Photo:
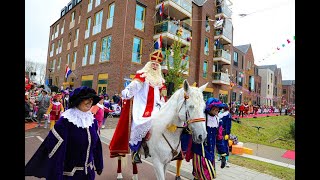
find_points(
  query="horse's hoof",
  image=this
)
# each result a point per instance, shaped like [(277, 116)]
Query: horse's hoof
[(178, 178)]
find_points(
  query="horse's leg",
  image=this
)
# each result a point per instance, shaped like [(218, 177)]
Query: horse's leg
[(159, 169), (165, 169), (119, 169), (135, 171)]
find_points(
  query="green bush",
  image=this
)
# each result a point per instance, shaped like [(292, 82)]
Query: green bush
[(292, 131)]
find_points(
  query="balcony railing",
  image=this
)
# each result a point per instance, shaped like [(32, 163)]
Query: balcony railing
[(92, 56), (72, 24), (96, 29), (220, 78), (223, 32), (223, 8), (185, 4), (168, 26), (223, 55), (75, 43), (89, 7), (109, 22), (86, 34)]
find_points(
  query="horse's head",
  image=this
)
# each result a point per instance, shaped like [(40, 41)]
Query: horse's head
[(191, 111)]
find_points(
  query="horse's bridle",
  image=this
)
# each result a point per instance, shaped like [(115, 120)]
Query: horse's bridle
[(188, 121)]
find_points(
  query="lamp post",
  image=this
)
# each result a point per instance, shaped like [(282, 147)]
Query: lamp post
[(50, 80)]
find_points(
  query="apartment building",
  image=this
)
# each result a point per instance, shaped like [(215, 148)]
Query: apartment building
[(105, 42), (288, 92)]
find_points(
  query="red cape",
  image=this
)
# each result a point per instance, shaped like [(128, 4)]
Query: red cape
[(119, 144)]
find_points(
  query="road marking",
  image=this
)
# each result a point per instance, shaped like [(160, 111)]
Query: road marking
[(28, 136), (40, 138)]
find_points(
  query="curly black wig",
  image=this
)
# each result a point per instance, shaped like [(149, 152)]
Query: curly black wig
[(80, 94)]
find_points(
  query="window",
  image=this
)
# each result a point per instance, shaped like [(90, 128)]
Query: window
[(84, 59), (235, 58), (140, 17), (77, 34), (74, 62), (59, 63), (93, 52), (73, 16), (97, 22), (234, 96), (105, 49), (97, 3), (268, 89), (110, 16), (89, 5), (68, 59), (271, 78), (284, 91), (102, 83), (88, 24), (242, 62), (53, 65), (205, 69), (136, 50), (207, 25), (87, 81), (206, 46)]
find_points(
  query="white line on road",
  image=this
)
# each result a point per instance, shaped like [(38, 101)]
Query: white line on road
[(40, 138)]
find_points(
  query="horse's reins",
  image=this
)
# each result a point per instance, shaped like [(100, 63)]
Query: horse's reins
[(174, 151)]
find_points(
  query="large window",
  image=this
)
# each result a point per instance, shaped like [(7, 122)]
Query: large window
[(54, 65), (110, 16), (97, 3), (85, 57), (97, 22), (102, 83), (77, 34), (140, 17), (73, 16), (205, 69), (234, 96), (88, 24), (87, 81), (59, 64), (136, 50), (235, 58), (68, 59), (105, 49), (206, 46), (93, 52), (74, 61)]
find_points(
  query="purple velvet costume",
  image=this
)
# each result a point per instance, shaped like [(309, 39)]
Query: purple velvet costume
[(67, 153)]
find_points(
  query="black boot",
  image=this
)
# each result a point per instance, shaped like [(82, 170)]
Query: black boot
[(136, 157), (145, 148), (223, 162)]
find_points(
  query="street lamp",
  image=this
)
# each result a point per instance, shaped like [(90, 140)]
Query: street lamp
[(50, 79)]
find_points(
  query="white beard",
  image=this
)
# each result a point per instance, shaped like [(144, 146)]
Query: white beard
[(154, 79)]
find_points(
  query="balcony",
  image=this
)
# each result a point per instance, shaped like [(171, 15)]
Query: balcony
[(51, 53), (75, 43), (225, 33), (180, 9), (71, 24), (86, 34), (223, 10), (89, 7), (68, 45), (220, 78), (96, 29), (169, 30), (92, 56), (109, 22), (223, 56)]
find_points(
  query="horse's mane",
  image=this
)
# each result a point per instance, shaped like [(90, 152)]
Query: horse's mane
[(169, 111)]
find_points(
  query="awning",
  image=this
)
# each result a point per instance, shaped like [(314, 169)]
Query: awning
[(223, 92)]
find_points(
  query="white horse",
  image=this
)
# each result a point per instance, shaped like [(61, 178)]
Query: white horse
[(186, 106)]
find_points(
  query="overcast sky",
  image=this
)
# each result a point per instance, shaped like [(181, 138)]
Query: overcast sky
[(268, 25)]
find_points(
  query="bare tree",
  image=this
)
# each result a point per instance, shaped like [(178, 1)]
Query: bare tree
[(39, 68)]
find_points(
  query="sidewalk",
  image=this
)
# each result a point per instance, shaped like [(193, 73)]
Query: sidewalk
[(233, 172)]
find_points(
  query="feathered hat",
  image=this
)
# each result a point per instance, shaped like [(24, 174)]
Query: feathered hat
[(82, 93), (212, 102)]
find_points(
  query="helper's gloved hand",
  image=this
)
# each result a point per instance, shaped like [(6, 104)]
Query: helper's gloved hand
[(226, 137), (99, 172)]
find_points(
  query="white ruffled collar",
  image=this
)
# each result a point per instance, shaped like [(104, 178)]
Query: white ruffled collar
[(223, 114), (100, 105), (56, 103), (79, 118)]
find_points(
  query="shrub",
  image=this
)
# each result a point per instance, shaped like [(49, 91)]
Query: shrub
[(292, 130)]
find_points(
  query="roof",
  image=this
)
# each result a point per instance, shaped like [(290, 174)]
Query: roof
[(271, 67), (288, 82), (243, 48)]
